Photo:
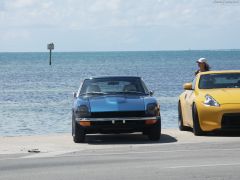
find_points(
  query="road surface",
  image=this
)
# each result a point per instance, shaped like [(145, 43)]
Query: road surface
[(178, 155)]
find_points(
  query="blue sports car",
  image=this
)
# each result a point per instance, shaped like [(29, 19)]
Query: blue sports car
[(116, 104)]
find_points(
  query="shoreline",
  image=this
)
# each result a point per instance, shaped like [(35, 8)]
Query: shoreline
[(57, 144)]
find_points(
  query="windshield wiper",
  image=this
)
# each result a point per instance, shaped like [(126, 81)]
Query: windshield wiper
[(117, 92), (93, 93), (130, 92)]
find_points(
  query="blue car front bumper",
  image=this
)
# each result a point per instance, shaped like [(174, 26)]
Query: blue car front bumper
[(118, 125)]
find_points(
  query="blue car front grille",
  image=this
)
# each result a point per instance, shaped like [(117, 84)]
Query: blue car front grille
[(117, 123)]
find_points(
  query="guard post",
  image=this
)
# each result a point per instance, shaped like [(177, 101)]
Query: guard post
[(50, 47)]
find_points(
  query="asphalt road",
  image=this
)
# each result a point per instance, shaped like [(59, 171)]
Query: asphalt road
[(146, 160)]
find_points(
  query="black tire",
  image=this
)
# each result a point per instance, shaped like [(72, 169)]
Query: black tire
[(180, 119), (78, 132), (155, 132), (196, 126)]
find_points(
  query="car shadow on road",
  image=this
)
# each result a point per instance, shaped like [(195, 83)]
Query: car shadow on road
[(225, 134), (101, 139)]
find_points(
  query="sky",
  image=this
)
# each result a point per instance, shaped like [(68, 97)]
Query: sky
[(119, 25)]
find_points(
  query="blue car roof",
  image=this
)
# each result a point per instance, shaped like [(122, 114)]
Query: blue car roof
[(137, 77)]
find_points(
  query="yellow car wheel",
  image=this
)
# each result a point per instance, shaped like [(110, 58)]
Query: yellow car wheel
[(196, 126)]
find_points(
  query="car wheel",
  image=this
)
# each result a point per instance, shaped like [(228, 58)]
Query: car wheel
[(196, 126), (78, 132), (155, 132), (180, 119), (145, 132)]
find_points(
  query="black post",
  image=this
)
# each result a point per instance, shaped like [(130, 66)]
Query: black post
[(50, 47), (50, 57)]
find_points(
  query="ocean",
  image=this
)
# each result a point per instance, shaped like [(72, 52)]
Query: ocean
[(36, 98)]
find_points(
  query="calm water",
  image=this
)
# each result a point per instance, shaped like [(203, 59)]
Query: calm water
[(36, 98)]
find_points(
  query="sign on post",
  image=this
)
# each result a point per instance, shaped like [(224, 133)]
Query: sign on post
[(50, 47)]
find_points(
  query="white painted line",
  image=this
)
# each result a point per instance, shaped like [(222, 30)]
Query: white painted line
[(4, 159), (149, 152), (65, 153), (203, 165)]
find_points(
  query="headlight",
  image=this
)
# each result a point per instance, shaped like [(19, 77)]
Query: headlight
[(152, 109), (210, 101), (82, 111)]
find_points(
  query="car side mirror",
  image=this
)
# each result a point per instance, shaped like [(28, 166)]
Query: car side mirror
[(74, 95), (151, 93), (187, 86)]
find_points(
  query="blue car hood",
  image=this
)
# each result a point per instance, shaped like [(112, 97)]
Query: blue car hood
[(116, 103)]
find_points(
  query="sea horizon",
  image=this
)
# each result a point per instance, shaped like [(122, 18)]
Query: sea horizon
[(178, 50)]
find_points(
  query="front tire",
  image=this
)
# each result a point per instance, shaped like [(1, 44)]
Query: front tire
[(180, 119), (155, 132), (78, 132), (196, 125)]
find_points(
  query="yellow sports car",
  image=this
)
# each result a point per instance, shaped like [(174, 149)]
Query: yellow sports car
[(211, 102)]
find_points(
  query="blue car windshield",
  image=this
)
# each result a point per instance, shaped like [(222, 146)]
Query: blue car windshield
[(214, 81), (113, 85)]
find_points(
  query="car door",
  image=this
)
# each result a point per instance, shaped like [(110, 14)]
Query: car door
[(189, 99)]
